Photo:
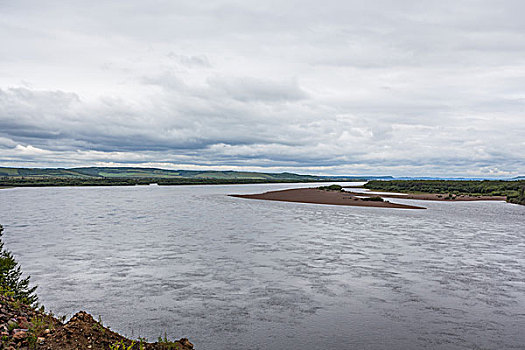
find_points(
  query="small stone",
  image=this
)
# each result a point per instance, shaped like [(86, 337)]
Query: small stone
[(186, 342), (22, 321), (20, 335), (41, 340), (12, 324)]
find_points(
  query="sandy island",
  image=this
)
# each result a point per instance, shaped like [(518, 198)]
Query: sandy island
[(318, 196)]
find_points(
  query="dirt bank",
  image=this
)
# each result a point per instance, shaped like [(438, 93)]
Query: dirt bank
[(23, 327)]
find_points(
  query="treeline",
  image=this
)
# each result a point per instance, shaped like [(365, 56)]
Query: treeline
[(72, 181), (513, 190), (519, 198)]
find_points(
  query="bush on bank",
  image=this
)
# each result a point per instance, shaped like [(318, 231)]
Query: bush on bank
[(11, 282)]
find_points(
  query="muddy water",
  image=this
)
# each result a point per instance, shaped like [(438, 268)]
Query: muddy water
[(246, 274)]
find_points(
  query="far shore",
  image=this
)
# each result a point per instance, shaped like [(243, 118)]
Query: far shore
[(317, 196)]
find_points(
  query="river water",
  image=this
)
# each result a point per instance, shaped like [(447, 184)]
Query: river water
[(232, 273)]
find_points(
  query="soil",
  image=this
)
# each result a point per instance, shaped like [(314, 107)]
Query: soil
[(24, 327)]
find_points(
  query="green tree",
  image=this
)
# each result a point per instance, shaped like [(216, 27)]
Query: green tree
[(11, 281)]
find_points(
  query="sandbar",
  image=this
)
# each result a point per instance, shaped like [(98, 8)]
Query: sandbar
[(317, 196)]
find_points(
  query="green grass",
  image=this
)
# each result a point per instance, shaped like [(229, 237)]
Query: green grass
[(8, 171)]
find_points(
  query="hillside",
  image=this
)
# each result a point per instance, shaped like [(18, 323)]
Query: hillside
[(130, 172), (129, 176)]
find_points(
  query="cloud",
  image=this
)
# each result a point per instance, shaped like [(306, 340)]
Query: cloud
[(342, 87), (252, 89), (189, 61)]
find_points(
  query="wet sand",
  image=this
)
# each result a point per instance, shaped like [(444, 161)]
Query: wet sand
[(317, 196)]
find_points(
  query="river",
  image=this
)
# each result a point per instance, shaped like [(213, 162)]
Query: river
[(232, 273)]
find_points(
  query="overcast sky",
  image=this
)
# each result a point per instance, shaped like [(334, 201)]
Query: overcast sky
[(325, 87)]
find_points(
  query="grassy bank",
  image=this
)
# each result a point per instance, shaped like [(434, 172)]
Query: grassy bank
[(514, 191)]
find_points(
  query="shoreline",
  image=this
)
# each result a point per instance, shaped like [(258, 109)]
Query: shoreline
[(435, 196), (317, 196), (26, 327)]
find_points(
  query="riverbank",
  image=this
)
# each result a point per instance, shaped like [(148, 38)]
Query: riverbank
[(512, 191), (318, 196), (24, 327), (435, 196)]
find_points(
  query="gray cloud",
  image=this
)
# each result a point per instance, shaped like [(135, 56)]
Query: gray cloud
[(343, 87)]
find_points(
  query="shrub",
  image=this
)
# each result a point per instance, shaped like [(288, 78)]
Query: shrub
[(331, 188), (374, 199), (11, 281)]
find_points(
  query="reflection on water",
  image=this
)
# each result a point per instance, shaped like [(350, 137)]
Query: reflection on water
[(248, 274)]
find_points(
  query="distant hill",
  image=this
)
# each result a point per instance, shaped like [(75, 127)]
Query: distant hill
[(155, 173), (353, 177), (130, 172), (87, 173)]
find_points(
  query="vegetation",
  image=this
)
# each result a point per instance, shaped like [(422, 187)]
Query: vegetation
[(331, 188), (121, 345), (373, 199), (166, 343), (11, 282), (513, 190), (519, 198)]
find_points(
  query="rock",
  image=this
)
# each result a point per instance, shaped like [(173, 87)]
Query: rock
[(22, 321), (20, 335), (186, 342), (12, 324)]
